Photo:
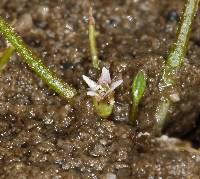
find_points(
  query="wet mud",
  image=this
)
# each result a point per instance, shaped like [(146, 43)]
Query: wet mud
[(43, 136)]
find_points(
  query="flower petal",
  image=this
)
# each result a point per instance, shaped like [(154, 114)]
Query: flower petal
[(105, 76), (92, 84), (92, 93), (115, 84)]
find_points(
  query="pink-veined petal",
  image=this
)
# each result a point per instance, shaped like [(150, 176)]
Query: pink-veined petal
[(115, 84), (105, 76), (92, 84), (92, 93)]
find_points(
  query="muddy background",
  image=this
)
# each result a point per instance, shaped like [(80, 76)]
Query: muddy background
[(42, 136)]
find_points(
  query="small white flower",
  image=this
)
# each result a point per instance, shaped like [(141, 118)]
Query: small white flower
[(104, 87)]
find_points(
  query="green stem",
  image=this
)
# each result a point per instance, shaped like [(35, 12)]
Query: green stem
[(174, 63), (35, 63), (161, 113), (5, 57), (92, 41), (133, 114)]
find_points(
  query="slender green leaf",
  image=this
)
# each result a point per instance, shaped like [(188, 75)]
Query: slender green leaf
[(174, 63), (5, 57), (34, 62), (179, 48), (138, 87)]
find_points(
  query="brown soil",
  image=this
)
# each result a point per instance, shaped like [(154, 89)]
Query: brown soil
[(42, 136)]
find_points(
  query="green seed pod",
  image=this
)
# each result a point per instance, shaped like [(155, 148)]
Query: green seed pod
[(103, 108)]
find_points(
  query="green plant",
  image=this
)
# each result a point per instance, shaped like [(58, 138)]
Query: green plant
[(35, 63), (138, 89), (92, 40), (102, 92), (5, 57), (173, 64)]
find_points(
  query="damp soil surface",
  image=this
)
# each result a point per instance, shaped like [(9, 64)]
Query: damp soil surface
[(43, 136)]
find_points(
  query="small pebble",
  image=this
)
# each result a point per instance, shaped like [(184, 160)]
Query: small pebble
[(24, 23), (174, 97), (98, 150), (111, 176), (173, 16), (43, 11), (143, 134), (103, 141)]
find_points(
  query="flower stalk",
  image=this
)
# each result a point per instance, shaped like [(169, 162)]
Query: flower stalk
[(173, 64), (92, 40)]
